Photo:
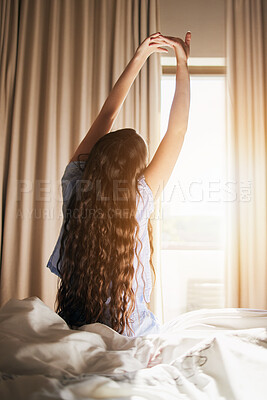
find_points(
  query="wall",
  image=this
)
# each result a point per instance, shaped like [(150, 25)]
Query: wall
[(204, 18)]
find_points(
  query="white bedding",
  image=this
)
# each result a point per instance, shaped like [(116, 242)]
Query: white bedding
[(205, 354)]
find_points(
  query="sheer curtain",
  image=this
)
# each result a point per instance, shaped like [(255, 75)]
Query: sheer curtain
[(59, 60), (246, 269)]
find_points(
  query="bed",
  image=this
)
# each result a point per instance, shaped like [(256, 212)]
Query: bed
[(203, 354)]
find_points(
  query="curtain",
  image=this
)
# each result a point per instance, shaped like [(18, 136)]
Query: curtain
[(59, 61), (246, 49)]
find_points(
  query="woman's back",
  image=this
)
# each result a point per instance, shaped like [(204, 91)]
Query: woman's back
[(142, 282)]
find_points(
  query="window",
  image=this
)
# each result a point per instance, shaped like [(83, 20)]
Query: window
[(192, 228)]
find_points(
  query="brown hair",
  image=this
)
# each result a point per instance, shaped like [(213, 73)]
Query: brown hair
[(100, 235)]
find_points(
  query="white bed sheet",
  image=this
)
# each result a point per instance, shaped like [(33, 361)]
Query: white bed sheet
[(205, 354)]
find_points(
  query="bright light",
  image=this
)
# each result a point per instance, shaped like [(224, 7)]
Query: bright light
[(192, 245), (196, 188)]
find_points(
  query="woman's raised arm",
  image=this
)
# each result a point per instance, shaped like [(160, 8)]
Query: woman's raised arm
[(160, 168), (108, 113)]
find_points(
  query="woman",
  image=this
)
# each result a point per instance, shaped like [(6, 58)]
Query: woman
[(104, 252)]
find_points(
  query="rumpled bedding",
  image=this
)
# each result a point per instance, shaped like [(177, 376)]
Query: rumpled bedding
[(203, 354)]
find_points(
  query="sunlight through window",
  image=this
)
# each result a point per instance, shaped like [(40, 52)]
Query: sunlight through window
[(192, 255)]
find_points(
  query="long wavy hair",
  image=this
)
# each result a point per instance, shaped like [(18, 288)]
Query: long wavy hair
[(101, 235)]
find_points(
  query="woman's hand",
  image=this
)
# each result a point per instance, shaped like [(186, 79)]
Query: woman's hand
[(156, 42), (153, 44), (181, 48)]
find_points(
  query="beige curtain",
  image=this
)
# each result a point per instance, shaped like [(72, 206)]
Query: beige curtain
[(246, 266), (59, 60)]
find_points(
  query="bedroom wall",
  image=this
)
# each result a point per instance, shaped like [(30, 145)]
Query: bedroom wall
[(204, 18)]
